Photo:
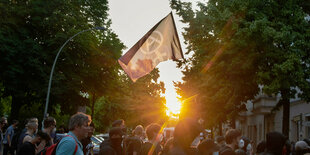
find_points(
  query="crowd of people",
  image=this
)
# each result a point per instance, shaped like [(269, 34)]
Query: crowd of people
[(141, 141)]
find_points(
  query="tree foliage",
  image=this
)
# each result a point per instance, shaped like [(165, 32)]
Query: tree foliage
[(238, 45), (31, 33)]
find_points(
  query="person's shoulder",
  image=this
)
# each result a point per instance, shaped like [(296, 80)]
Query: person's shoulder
[(137, 140), (66, 143), (146, 145), (67, 139), (106, 150), (226, 151), (10, 128)]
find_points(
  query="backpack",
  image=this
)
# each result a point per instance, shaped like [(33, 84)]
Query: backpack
[(51, 150)]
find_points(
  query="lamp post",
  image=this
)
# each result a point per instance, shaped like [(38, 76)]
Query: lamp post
[(52, 71)]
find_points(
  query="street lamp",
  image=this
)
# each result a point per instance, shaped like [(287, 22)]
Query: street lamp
[(52, 71)]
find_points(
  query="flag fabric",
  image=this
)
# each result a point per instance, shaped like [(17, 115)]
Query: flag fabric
[(159, 44)]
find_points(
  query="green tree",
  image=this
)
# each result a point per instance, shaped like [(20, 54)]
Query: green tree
[(86, 73), (220, 74), (31, 34), (240, 44)]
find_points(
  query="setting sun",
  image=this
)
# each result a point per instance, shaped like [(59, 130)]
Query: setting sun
[(173, 104)]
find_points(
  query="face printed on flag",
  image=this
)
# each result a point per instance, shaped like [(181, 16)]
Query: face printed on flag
[(161, 43)]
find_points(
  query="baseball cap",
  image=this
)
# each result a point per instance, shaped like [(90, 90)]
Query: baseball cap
[(301, 145)]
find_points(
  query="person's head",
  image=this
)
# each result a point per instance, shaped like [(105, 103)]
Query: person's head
[(61, 129), (232, 137), (32, 127), (261, 147), (275, 142), (79, 125), (119, 123), (302, 147), (33, 119), (220, 140), (91, 129), (207, 147), (152, 131), (138, 131), (246, 144), (14, 123), (3, 121), (49, 123), (40, 136), (116, 135), (186, 131)]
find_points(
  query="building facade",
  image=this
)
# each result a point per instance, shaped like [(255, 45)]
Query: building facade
[(262, 117)]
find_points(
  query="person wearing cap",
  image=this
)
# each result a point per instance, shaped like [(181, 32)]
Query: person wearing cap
[(113, 145), (208, 147), (302, 148)]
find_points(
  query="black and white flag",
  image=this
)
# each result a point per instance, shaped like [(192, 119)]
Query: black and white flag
[(161, 43)]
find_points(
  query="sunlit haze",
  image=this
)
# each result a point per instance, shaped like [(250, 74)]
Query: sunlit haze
[(131, 20)]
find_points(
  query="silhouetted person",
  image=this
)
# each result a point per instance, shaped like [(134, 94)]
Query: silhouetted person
[(208, 147), (232, 138), (29, 147), (302, 148), (134, 143), (184, 134), (275, 141), (113, 145), (154, 139), (261, 147), (8, 137)]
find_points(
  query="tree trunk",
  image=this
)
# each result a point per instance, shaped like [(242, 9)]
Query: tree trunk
[(15, 107), (285, 101), (220, 129), (93, 105)]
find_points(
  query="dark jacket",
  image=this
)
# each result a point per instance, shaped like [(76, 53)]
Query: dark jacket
[(225, 150), (108, 148)]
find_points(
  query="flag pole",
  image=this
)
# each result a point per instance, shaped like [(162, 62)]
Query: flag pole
[(53, 67)]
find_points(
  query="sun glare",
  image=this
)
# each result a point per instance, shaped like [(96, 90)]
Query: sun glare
[(173, 104)]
